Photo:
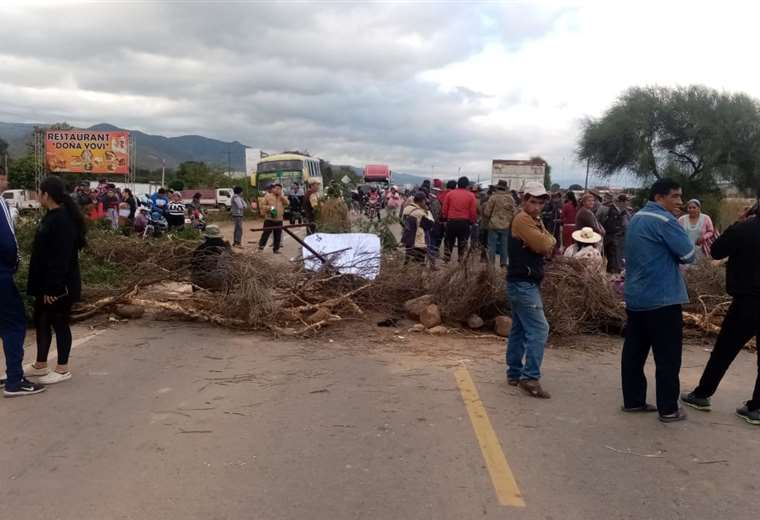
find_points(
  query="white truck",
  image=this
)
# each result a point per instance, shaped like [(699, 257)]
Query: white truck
[(22, 200), (139, 189), (220, 198), (517, 173)]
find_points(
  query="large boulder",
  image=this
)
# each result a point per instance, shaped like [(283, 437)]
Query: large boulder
[(129, 312), (502, 325), (415, 306), (431, 316), (475, 321)]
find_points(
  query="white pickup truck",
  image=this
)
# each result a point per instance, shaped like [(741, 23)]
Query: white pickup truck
[(22, 200), (220, 198)]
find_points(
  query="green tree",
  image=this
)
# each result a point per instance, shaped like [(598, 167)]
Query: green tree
[(177, 185), (3, 155), (21, 173), (695, 134)]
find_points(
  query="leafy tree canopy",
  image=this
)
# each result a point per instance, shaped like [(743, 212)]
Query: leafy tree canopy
[(693, 133), (21, 173), (194, 174)]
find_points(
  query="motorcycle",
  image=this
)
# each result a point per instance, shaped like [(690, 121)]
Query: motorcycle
[(157, 225)]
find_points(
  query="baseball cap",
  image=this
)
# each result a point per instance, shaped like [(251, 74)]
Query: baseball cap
[(535, 189)]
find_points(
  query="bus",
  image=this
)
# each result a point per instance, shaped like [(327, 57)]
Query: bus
[(286, 168)]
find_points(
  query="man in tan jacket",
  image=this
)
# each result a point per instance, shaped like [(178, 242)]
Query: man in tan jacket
[(272, 209), (529, 244), (498, 213)]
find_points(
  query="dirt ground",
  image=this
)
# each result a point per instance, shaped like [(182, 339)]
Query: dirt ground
[(166, 419)]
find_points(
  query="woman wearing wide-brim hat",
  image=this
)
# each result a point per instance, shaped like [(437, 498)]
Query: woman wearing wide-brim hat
[(585, 248)]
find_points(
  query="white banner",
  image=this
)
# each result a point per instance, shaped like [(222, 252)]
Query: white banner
[(352, 253)]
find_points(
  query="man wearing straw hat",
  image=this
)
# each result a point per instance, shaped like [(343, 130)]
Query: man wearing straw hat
[(529, 244)]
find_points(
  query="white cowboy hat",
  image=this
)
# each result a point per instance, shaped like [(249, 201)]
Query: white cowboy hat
[(586, 236)]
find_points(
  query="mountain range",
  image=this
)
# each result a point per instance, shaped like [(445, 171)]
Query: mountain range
[(155, 150)]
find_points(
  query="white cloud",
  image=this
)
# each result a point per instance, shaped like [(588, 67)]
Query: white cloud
[(454, 85)]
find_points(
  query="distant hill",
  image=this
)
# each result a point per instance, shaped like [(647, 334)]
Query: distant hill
[(406, 178), (151, 149)]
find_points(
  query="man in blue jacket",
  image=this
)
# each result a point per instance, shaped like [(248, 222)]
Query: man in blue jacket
[(12, 318), (656, 245)]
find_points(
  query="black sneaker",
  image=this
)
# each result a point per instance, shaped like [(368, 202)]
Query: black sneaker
[(2, 382), (751, 416), (25, 388), (699, 403)]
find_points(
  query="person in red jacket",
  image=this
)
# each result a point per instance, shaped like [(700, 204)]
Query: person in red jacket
[(460, 210)]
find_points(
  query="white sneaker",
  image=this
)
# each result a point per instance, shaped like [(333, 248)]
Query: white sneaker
[(30, 371), (54, 377)]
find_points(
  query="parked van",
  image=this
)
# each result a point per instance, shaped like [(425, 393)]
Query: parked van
[(22, 200)]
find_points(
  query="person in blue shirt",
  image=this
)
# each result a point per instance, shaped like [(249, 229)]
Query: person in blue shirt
[(656, 245), (12, 316), (159, 201)]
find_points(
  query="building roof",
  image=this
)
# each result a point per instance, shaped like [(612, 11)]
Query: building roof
[(511, 162)]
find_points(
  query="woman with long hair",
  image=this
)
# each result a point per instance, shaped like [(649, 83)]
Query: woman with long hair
[(569, 212), (54, 278)]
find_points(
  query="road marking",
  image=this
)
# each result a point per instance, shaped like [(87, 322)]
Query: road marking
[(501, 475)]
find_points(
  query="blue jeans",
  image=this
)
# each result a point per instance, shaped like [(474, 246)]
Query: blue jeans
[(237, 238), (12, 330), (529, 333), (498, 240)]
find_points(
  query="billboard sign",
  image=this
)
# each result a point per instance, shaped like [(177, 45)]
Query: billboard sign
[(87, 151)]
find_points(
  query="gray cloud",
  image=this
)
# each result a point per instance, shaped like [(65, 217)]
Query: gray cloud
[(338, 79)]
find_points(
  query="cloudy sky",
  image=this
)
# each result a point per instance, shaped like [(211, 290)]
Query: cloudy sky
[(423, 86)]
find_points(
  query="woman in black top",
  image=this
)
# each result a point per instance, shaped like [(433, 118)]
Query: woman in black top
[(54, 278), (132, 202)]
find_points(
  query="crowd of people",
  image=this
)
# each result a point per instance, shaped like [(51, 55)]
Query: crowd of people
[(524, 230), (591, 228)]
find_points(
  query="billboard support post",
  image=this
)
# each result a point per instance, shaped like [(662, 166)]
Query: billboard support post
[(39, 157), (132, 158)]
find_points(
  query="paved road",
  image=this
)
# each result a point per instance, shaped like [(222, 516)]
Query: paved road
[(177, 421)]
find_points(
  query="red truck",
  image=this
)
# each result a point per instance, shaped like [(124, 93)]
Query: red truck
[(379, 173)]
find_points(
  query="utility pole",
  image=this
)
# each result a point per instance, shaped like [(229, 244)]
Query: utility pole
[(229, 161), (588, 164), (163, 172)]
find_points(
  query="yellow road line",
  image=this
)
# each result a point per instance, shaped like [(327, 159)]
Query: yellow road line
[(501, 475)]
